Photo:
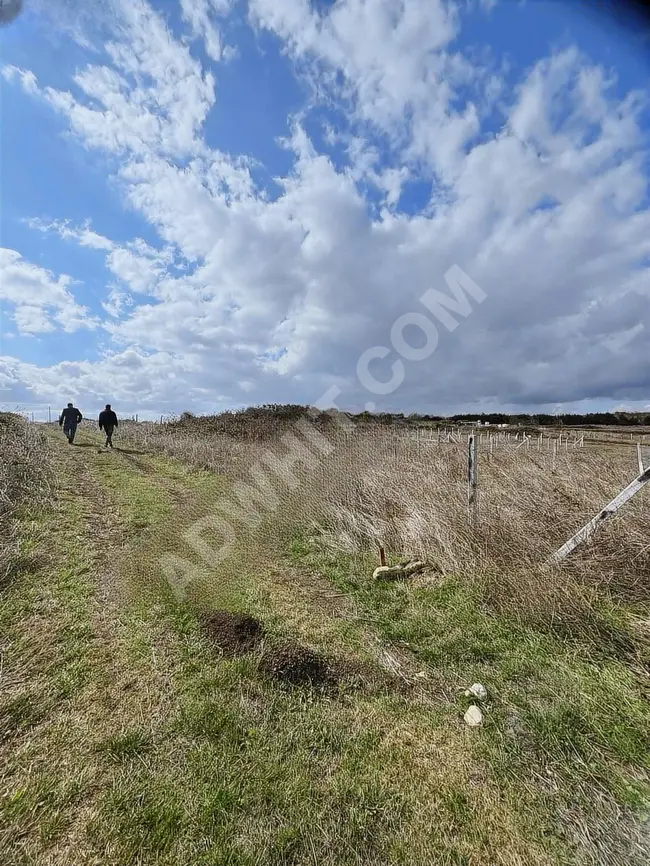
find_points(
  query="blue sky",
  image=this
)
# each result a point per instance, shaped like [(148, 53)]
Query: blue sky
[(209, 203)]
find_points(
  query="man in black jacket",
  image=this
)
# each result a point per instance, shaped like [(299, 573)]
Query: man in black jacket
[(108, 421), (69, 419)]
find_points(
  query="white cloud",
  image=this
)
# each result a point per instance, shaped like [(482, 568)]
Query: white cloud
[(136, 264), (27, 79), (200, 15), (84, 236), (396, 61), (154, 99), (279, 298), (116, 301), (41, 302)]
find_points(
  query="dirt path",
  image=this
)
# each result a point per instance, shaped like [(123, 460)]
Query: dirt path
[(304, 599), (113, 718)]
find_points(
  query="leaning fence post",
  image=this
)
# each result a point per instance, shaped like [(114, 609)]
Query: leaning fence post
[(471, 479), (608, 511)]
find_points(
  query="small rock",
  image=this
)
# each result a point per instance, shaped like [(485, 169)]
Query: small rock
[(473, 716), (477, 691)]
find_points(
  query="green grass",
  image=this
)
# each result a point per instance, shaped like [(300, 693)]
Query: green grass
[(126, 738), (556, 706)]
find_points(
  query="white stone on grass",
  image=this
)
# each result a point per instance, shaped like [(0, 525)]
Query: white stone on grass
[(474, 717)]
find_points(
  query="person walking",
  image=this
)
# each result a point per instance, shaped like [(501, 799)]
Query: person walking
[(69, 419), (108, 422)]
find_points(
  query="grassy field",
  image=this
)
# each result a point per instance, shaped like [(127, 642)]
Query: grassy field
[(132, 733)]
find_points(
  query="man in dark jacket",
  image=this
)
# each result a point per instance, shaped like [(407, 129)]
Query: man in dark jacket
[(69, 419), (108, 422)]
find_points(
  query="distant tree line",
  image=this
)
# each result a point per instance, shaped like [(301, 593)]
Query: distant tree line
[(600, 419), (627, 419), (282, 414)]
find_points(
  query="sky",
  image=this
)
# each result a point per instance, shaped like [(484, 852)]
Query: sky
[(207, 204)]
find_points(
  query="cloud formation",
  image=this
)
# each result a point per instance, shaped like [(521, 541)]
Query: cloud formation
[(40, 301), (538, 191)]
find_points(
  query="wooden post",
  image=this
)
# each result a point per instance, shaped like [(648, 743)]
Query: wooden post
[(554, 454), (49, 414), (608, 511), (382, 556), (471, 479), (639, 457)]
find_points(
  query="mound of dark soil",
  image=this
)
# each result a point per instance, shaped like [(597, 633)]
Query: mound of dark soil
[(233, 633), (298, 666)]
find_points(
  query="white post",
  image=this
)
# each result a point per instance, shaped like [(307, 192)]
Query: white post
[(554, 454), (639, 457), (608, 511)]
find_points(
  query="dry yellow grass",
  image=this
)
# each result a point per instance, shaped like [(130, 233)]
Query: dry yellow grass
[(379, 486)]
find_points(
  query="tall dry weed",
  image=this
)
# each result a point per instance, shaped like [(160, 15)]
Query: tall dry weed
[(25, 477)]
